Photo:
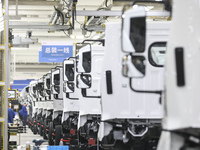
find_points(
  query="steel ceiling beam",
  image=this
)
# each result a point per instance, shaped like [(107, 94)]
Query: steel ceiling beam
[(36, 26), (116, 13), (96, 13), (34, 2)]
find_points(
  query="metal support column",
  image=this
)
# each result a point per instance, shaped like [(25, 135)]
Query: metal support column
[(7, 77)]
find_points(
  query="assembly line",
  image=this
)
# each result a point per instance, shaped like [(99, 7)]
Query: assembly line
[(134, 89)]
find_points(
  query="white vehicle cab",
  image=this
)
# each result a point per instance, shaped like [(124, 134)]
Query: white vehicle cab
[(49, 104), (89, 61), (33, 96), (25, 99), (71, 102), (181, 97), (25, 94), (41, 105), (57, 93), (134, 88)]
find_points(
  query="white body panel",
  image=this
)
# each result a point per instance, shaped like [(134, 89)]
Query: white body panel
[(182, 103), (57, 105), (35, 109), (130, 104), (49, 105), (69, 107), (90, 106), (44, 108)]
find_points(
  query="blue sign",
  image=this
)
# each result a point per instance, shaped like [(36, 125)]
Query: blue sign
[(55, 52), (46, 59)]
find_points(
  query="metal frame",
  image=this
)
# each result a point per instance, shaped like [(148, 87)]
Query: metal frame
[(2, 118), (37, 26), (96, 13), (6, 82), (3, 133), (115, 13)]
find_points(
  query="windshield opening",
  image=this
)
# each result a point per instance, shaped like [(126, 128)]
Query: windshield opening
[(57, 79), (69, 71), (48, 83), (87, 61), (157, 53), (138, 33)]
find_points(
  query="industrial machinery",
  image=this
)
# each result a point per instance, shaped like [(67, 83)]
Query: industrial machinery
[(89, 61), (57, 91), (181, 96)]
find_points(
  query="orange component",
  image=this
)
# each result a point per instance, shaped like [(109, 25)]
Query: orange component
[(72, 132), (53, 134), (47, 129), (38, 123), (42, 126), (91, 141), (34, 121), (65, 140)]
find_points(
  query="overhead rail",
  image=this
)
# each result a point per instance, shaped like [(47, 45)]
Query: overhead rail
[(37, 26)]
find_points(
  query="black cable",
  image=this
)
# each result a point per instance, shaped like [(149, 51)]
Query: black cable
[(106, 3), (64, 2), (61, 14)]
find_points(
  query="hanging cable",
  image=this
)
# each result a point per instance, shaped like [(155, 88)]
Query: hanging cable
[(64, 2), (59, 12), (106, 3)]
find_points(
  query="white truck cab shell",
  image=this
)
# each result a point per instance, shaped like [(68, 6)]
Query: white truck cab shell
[(90, 105), (41, 98), (181, 98), (47, 86), (125, 99), (130, 104), (71, 103), (33, 97), (182, 101), (57, 101)]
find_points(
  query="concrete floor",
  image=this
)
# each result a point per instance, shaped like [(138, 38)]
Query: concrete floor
[(22, 138)]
